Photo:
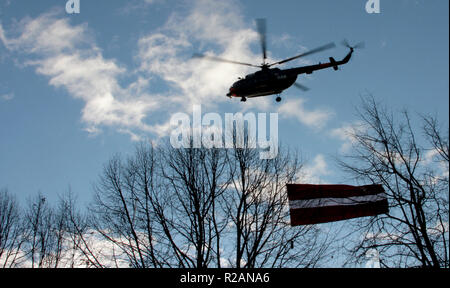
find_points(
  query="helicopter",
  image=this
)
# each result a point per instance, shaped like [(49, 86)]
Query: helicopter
[(273, 81)]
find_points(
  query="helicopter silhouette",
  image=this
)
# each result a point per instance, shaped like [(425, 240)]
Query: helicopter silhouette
[(273, 81)]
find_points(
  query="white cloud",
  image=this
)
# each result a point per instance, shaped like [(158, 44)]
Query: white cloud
[(384, 236), (7, 97), (107, 253), (167, 53), (345, 134), (439, 228), (315, 171), (296, 108), (430, 154), (45, 34), (138, 5), (208, 23), (373, 259), (68, 55), (2, 34)]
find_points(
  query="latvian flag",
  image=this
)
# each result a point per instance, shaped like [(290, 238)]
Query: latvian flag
[(312, 204)]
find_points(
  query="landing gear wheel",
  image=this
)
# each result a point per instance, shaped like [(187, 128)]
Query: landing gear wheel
[(278, 99), (243, 99)]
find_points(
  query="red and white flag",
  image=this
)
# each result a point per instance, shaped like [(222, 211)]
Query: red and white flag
[(313, 204)]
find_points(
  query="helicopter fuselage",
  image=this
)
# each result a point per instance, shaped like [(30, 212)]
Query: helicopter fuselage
[(269, 81), (262, 83)]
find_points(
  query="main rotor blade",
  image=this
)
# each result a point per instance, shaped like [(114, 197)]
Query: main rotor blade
[(301, 87), (217, 59), (318, 49), (262, 30)]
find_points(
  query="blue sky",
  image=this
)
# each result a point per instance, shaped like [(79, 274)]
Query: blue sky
[(75, 89)]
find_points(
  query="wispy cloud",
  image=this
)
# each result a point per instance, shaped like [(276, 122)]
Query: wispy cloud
[(345, 134), (7, 97), (68, 55), (314, 171), (138, 5), (316, 118), (166, 53)]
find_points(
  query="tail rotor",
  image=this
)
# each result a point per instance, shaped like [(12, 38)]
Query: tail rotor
[(360, 45)]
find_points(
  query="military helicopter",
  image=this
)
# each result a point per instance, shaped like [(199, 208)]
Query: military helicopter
[(271, 81)]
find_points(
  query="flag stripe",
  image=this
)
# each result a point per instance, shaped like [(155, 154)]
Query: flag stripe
[(308, 216), (311, 191), (323, 202)]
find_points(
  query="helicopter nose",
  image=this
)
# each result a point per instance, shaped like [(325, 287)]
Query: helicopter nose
[(232, 92)]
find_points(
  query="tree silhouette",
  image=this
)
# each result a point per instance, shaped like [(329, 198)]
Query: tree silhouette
[(390, 152)]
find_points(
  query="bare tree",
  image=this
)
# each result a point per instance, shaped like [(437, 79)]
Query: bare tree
[(161, 212), (45, 232), (257, 205), (11, 231), (388, 152), (198, 208), (194, 183), (437, 139), (116, 215), (75, 246), (38, 217), (41, 236)]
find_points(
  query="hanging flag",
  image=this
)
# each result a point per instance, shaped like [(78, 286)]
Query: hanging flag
[(313, 204)]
